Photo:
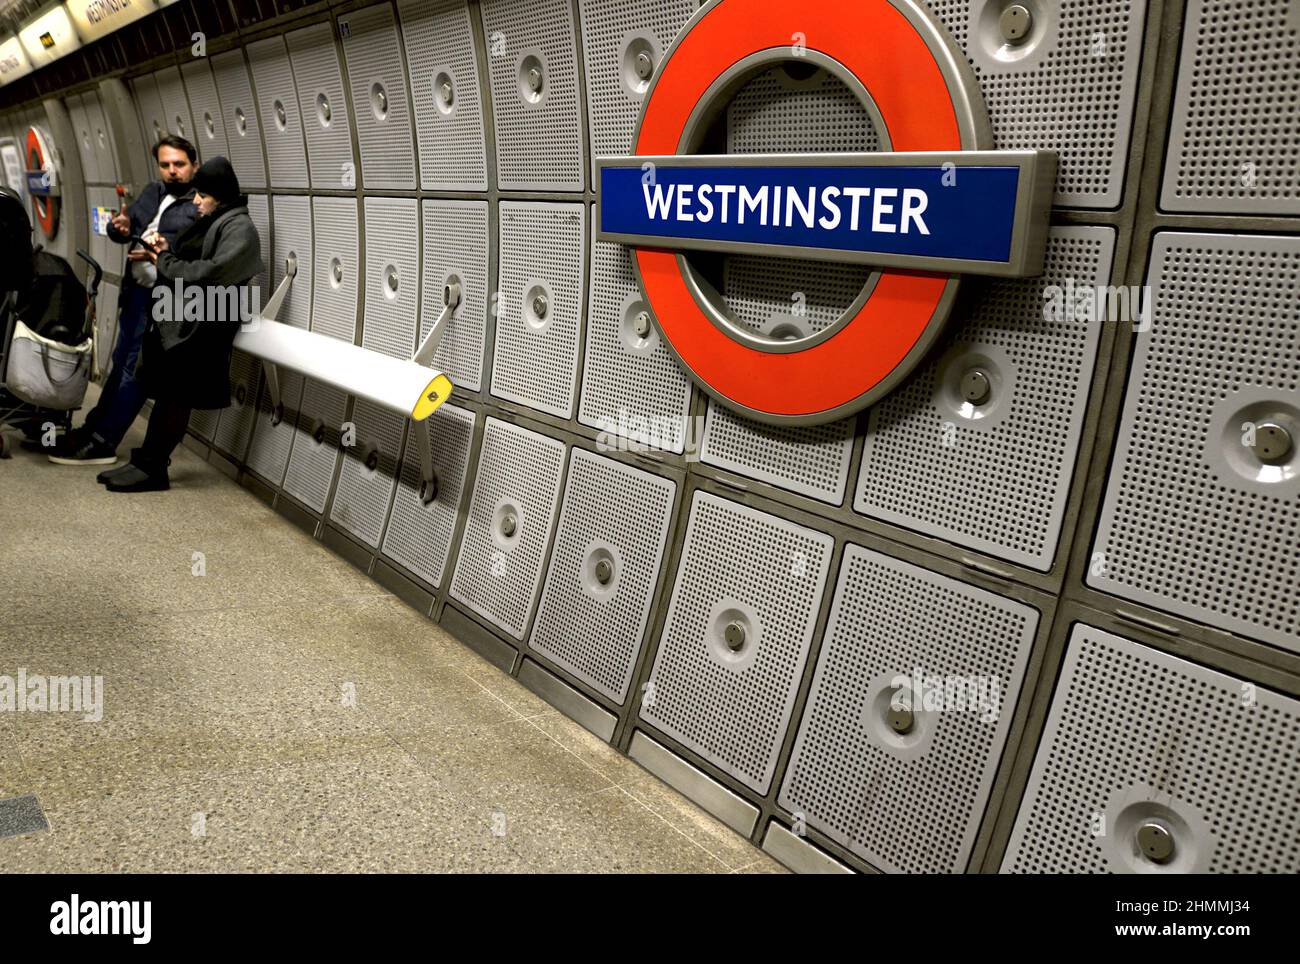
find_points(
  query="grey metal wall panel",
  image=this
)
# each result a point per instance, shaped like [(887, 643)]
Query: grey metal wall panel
[(907, 797), (203, 422), (103, 139), (240, 118), (205, 106), (1069, 86), (1012, 455), (631, 385), (419, 534), (508, 525), (392, 276), (268, 453), (1136, 738), (259, 213), (456, 247), (336, 270), (293, 239), (536, 354), (369, 472), (277, 103), (153, 119), (623, 43), (538, 131), (175, 105), (325, 122), (314, 454), (812, 460), (1235, 130), (758, 580), (604, 570), (379, 98), (440, 47), (81, 126), (236, 424), (1202, 510)]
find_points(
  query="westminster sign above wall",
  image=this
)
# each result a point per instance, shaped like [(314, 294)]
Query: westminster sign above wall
[(937, 203)]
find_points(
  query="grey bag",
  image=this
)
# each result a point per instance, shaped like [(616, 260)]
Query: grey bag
[(46, 373)]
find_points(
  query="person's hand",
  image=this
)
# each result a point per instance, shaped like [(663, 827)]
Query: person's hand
[(137, 254), (121, 223), (159, 244)]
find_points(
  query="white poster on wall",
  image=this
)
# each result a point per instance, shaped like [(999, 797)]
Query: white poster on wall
[(13, 165)]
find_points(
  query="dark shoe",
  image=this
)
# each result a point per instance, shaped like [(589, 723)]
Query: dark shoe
[(76, 449), (109, 474), (136, 479)]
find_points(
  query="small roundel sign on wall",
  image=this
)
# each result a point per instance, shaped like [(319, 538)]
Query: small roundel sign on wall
[(933, 204), (42, 181)]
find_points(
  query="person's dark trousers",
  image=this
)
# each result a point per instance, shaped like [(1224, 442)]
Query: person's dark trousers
[(167, 424), (122, 398)]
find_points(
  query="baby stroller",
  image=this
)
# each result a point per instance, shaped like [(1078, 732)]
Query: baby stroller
[(48, 323)]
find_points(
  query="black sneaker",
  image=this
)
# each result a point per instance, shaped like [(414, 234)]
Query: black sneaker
[(82, 450), (109, 475), (136, 479)]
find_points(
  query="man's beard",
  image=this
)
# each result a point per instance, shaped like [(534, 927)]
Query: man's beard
[(176, 188)]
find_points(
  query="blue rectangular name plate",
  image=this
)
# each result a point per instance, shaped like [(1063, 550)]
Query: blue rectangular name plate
[(982, 212)]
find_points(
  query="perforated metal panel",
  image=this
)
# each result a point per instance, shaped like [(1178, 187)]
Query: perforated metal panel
[(81, 127), (175, 105), (907, 799), (336, 268), (325, 122), (1137, 738), (749, 573), (106, 321), (1235, 129), (314, 454), (239, 114), (153, 123), (538, 131), (392, 276), (369, 472), (616, 35), (419, 534), (1198, 518), (631, 386), (379, 98), (811, 460), (536, 355), (1068, 87), (268, 453), (259, 213), (994, 475), (293, 239), (277, 102), (440, 51), (203, 422), (456, 247), (499, 566), (236, 424), (604, 568), (205, 106), (102, 137)]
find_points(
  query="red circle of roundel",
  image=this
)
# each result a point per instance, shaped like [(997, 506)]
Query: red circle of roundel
[(912, 95), (36, 162)]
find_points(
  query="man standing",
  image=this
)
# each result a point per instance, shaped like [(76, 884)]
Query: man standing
[(165, 207)]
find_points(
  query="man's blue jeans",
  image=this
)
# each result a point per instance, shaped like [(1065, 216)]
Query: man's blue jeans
[(123, 397)]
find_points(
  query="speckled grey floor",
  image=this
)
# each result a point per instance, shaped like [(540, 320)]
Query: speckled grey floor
[(282, 711)]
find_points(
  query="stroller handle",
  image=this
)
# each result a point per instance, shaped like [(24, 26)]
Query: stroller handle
[(96, 272)]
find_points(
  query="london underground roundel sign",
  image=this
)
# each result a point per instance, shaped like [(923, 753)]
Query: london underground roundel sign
[(934, 204)]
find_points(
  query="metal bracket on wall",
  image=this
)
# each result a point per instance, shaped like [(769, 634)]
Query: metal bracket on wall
[(451, 297), (269, 314)]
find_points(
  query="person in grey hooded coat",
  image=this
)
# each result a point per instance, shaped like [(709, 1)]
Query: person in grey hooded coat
[(186, 358)]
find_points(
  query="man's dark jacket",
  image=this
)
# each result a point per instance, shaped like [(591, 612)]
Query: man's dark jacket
[(179, 216)]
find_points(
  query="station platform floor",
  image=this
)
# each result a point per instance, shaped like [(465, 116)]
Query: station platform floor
[(229, 740)]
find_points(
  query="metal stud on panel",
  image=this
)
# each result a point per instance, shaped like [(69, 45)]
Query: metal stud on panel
[(908, 714), (745, 600), (1153, 764), (609, 544)]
